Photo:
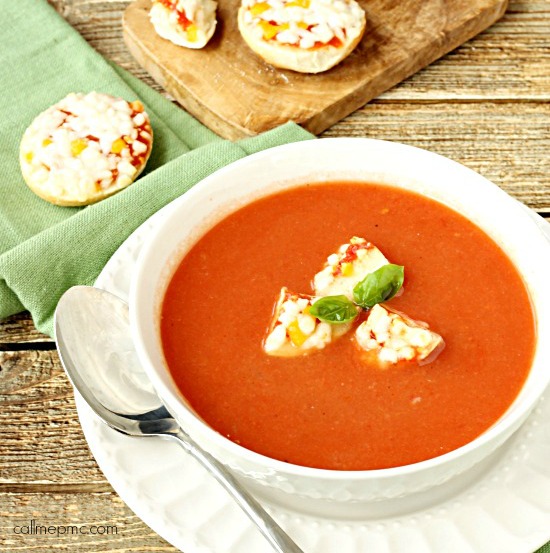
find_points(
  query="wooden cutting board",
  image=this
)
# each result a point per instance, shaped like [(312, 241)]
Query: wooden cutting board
[(232, 91)]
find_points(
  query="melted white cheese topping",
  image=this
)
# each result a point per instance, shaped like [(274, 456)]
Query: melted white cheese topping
[(347, 267), (395, 337), (294, 331), (305, 23), (86, 143), (201, 15), (293, 327)]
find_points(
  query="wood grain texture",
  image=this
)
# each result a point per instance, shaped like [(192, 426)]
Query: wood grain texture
[(41, 441), (19, 331), (123, 531), (232, 91), (510, 62)]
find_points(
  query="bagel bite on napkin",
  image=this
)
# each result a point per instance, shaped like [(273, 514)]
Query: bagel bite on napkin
[(85, 148)]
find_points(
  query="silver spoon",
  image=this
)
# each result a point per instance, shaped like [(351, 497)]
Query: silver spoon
[(93, 338)]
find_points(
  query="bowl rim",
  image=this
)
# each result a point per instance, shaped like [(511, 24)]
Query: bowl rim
[(505, 425)]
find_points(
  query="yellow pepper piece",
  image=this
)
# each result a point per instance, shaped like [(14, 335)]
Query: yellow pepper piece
[(302, 25), (297, 337), (299, 3), (118, 145), (192, 33), (270, 30), (347, 269), (259, 8), (29, 156), (46, 142), (136, 105), (78, 146)]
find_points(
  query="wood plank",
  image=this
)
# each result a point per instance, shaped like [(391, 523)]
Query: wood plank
[(57, 487), (19, 331), (42, 442), (510, 61), (123, 531)]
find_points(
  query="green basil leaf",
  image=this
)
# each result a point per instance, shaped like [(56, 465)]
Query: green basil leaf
[(379, 286), (334, 309)]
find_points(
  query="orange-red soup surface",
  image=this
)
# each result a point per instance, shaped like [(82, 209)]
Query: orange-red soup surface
[(329, 409)]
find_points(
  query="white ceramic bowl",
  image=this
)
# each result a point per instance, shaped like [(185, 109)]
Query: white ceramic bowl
[(325, 160)]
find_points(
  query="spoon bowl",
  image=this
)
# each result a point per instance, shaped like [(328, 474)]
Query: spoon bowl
[(93, 339)]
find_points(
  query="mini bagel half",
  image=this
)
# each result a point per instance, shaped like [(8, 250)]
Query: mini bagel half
[(85, 148), (308, 36)]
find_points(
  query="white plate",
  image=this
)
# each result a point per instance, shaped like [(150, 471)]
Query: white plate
[(500, 506)]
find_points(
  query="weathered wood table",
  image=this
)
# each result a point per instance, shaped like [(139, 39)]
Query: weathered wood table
[(485, 105)]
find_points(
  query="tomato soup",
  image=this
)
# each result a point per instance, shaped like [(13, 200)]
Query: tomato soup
[(331, 409)]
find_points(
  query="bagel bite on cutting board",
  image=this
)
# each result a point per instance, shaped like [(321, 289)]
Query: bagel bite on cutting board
[(233, 91)]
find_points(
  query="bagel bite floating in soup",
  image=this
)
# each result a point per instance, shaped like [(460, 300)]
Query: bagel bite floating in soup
[(394, 337), (294, 330), (344, 269)]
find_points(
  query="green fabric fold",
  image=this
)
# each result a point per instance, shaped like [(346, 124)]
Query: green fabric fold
[(45, 249)]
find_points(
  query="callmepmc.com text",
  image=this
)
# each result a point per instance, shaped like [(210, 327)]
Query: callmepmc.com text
[(35, 529)]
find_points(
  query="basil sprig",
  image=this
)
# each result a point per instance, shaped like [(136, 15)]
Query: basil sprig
[(376, 287), (334, 309), (379, 286)]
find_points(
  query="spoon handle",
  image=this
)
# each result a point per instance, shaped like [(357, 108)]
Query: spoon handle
[(278, 539)]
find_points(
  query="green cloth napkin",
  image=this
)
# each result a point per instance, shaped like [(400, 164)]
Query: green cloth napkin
[(45, 249)]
